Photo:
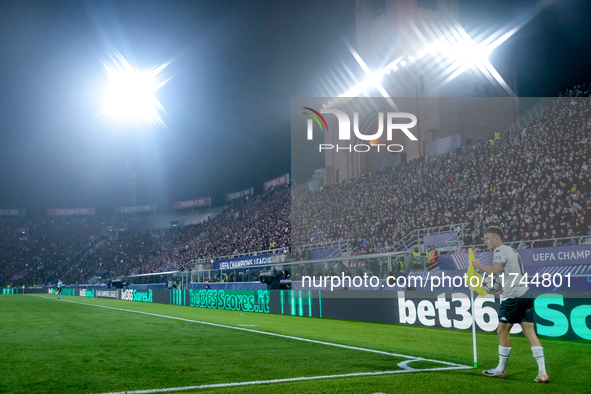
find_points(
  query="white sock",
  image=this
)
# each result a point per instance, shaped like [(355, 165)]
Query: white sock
[(503, 357), (538, 353)]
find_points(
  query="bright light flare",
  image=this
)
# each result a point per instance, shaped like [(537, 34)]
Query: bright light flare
[(452, 52), (131, 94), (467, 53)]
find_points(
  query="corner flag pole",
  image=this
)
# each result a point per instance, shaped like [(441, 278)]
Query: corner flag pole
[(473, 328)]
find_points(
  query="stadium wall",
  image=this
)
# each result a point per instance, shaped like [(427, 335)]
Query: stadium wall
[(557, 315)]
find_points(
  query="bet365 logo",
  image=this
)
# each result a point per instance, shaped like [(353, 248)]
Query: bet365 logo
[(344, 134)]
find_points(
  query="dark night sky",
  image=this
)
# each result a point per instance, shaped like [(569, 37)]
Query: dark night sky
[(236, 66)]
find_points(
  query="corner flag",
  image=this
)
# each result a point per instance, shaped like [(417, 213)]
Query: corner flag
[(472, 273)]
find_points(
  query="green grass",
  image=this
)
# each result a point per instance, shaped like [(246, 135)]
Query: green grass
[(55, 346)]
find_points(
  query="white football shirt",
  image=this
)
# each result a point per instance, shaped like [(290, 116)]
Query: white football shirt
[(512, 268)]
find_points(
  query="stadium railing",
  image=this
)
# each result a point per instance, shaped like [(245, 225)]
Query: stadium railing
[(342, 245), (525, 119)]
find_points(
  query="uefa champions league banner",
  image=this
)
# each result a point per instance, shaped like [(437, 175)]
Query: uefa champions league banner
[(70, 211), (537, 257), (13, 212), (561, 255), (149, 208), (242, 262), (240, 194), (107, 293), (276, 182), (189, 204)]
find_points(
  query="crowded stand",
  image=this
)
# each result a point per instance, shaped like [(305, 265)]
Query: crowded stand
[(35, 248), (83, 248), (261, 223), (535, 185)]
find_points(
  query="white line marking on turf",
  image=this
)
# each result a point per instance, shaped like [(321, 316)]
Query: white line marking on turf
[(274, 334), (299, 379), (246, 325), (403, 365)]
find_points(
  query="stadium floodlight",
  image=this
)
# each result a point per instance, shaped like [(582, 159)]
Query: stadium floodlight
[(373, 79), (469, 54), (131, 94), (452, 52)]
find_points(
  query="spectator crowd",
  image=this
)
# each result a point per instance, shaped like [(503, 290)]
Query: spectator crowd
[(535, 184), (33, 248), (261, 223), (80, 248)]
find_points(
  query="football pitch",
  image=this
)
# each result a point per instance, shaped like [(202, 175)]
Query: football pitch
[(90, 345)]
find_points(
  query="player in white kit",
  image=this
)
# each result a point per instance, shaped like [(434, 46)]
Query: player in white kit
[(517, 306)]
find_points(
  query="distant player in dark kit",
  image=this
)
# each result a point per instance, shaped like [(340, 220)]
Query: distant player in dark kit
[(517, 306)]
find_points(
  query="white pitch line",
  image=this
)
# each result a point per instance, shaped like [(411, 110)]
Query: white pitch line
[(404, 365), (299, 379), (274, 334)]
